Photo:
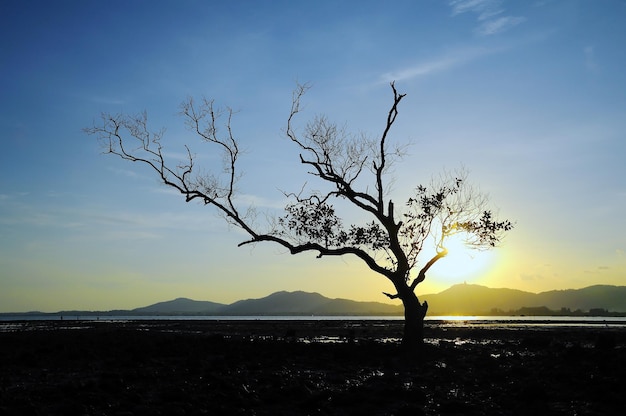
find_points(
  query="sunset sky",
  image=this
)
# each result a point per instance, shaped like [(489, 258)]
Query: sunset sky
[(528, 96)]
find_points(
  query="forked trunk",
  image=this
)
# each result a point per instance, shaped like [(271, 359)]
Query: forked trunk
[(414, 313)]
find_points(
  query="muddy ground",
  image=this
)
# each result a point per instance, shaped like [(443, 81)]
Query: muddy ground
[(307, 368)]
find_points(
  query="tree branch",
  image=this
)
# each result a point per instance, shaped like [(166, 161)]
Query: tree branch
[(421, 276), (322, 251), (391, 118), (390, 296)]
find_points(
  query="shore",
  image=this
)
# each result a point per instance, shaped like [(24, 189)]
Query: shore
[(307, 368)]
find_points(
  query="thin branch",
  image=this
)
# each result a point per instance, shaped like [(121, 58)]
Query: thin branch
[(391, 118), (322, 251), (390, 296), (421, 276)]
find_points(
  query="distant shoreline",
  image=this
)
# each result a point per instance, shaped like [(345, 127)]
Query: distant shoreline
[(165, 315), (17, 321)]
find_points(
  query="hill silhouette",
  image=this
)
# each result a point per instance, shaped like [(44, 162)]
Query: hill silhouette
[(279, 303), (611, 298), (464, 299), (461, 299), (467, 299), (181, 306), (304, 303)]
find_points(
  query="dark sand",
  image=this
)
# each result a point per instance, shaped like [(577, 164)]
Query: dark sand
[(287, 368)]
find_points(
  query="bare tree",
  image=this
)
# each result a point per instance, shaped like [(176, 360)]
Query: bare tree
[(355, 169)]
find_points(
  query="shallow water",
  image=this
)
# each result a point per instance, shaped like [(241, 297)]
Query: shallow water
[(325, 329)]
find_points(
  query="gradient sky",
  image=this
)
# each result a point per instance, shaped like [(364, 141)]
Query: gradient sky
[(528, 96)]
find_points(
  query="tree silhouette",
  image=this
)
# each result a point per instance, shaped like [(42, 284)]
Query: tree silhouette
[(355, 167)]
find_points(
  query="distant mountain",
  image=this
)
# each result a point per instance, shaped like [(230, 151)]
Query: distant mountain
[(279, 303), (611, 298), (464, 299), (180, 306), (304, 303), (460, 299)]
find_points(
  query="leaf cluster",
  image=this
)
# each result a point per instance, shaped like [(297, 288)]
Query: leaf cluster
[(311, 220)]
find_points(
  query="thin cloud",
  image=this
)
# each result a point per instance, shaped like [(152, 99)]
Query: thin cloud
[(249, 200), (490, 14), (501, 24), (437, 65), (107, 100), (421, 69), (484, 8), (590, 59), (531, 277), (124, 172)]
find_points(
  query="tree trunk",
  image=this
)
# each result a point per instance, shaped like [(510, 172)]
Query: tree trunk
[(414, 313)]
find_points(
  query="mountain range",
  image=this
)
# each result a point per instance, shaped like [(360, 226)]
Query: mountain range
[(279, 303), (462, 299)]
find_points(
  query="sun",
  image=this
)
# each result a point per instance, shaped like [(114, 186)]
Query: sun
[(462, 262)]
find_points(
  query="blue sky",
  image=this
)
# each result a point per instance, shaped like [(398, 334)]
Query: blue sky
[(529, 97)]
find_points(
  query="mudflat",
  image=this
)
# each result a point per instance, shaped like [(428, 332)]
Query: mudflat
[(307, 368)]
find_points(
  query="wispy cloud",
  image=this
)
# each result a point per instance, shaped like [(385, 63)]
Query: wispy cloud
[(493, 26), (590, 59), (249, 200), (107, 100), (440, 64), (490, 14), (96, 221), (124, 172), (485, 8), (422, 69)]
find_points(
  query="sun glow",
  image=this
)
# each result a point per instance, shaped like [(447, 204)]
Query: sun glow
[(462, 262)]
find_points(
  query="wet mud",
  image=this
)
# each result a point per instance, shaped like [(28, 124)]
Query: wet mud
[(307, 368)]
